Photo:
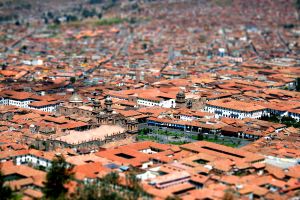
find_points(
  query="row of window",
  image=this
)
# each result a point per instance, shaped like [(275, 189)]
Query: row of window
[(148, 103), (209, 108), (24, 104)]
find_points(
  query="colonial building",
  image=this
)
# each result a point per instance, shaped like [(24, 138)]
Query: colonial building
[(95, 112), (295, 114), (235, 109), (162, 100), (44, 106), (28, 100), (91, 139)]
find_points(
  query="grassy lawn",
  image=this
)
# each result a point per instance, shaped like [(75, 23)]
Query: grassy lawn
[(161, 132), (216, 140), (146, 137), (168, 133), (53, 26), (220, 141), (177, 143), (142, 135), (194, 137), (110, 21)]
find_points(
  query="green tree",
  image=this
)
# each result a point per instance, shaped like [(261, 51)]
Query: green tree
[(93, 191), (216, 137), (112, 179), (95, 1), (200, 137), (105, 189), (90, 191), (73, 80), (135, 189), (142, 132), (144, 46), (108, 194), (5, 191), (297, 5), (298, 80), (58, 175), (88, 13)]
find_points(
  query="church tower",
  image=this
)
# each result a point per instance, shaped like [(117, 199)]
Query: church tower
[(180, 99), (96, 105), (108, 104)]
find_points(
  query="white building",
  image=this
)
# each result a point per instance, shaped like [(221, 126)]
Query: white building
[(23, 103), (44, 106), (27, 100), (32, 159), (235, 109), (191, 115), (295, 114), (157, 100)]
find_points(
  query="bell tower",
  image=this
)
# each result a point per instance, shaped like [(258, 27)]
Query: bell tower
[(108, 104), (96, 105), (180, 99)]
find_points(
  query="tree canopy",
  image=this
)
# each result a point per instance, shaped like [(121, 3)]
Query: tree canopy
[(5, 191), (298, 83), (58, 175), (109, 188)]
